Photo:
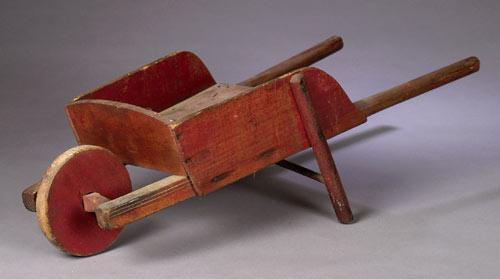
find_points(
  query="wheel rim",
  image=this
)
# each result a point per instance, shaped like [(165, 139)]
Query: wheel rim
[(77, 172)]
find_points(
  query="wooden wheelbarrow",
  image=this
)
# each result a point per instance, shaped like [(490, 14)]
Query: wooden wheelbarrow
[(171, 115)]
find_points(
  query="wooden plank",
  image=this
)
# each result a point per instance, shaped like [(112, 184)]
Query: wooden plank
[(259, 127), (158, 85), (143, 202), (212, 96), (134, 134), (121, 116)]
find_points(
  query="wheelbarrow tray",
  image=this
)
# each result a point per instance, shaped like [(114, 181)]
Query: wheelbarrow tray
[(171, 116)]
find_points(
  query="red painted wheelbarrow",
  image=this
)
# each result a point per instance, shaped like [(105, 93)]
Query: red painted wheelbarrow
[(171, 115)]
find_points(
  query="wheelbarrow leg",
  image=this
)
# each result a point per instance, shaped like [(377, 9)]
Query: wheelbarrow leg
[(321, 151)]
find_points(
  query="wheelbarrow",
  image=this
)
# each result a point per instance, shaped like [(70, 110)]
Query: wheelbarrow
[(171, 115)]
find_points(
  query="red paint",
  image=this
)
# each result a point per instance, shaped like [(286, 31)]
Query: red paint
[(132, 133), (317, 140), (334, 109), (236, 138), (160, 84), (75, 230)]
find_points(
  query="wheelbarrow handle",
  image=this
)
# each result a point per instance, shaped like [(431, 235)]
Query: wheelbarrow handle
[(116, 213), (418, 86), (29, 196), (303, 59)]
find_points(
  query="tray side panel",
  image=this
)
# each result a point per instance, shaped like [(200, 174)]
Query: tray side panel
[(231, 140), (160, 84), (132, 133)]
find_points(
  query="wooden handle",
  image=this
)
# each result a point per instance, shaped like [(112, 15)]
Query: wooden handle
[(420, 85), (112, 214), (303, 59), (143, 202), (29, 196)]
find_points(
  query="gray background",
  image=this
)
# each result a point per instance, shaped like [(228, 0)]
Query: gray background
[(423, 178)]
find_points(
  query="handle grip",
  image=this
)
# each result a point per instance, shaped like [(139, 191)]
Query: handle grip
[(303, 59), (418, 86)]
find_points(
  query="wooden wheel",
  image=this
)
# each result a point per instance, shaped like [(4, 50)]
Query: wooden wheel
[(79, 171)]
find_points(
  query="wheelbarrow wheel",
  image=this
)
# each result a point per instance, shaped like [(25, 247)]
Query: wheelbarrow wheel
[(79, 171)]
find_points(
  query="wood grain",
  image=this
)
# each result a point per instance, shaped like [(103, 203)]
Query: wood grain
[(134, 134), (212, 96), (317, 140), (121, 116), (303, 59), (29, 196), (143, 202), (92, 201), (59, 207), (418, 86), (256, 128), (158, 85), (301, 170)]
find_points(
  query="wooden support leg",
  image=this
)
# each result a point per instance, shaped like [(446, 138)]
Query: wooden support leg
[(321, 150)]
